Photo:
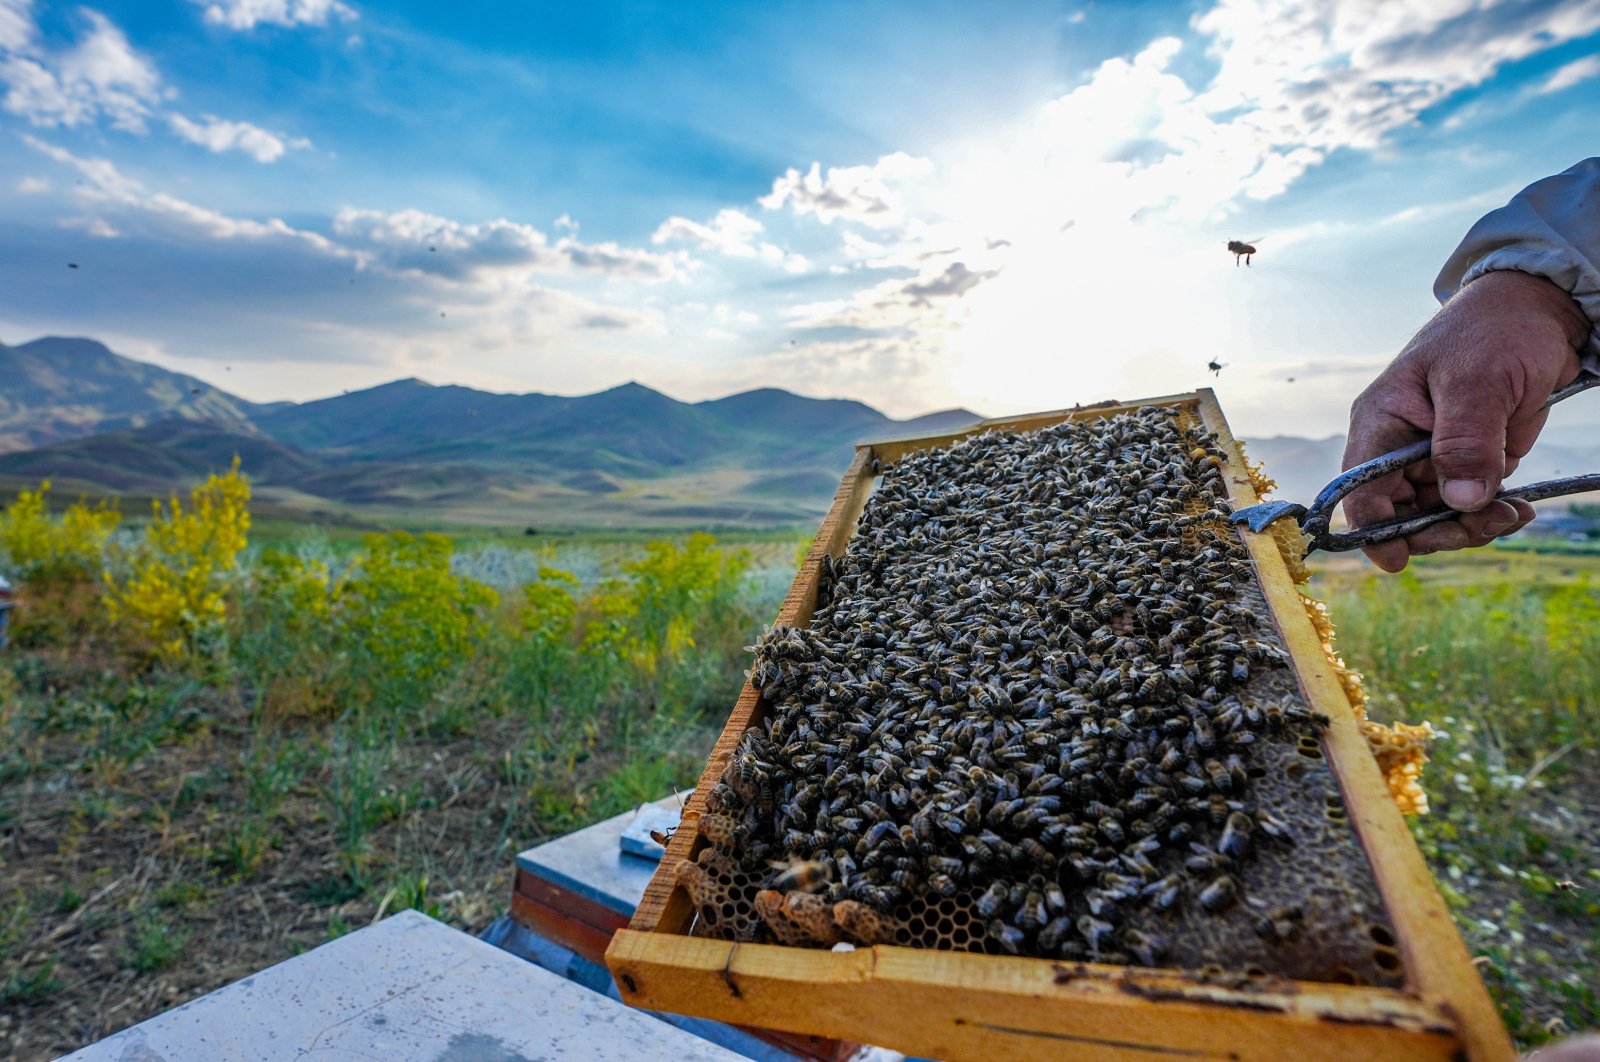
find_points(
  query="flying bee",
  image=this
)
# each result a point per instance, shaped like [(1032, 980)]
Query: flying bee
[(661, 837), (806, 875)]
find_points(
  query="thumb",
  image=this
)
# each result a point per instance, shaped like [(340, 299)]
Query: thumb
[(1469, 445)]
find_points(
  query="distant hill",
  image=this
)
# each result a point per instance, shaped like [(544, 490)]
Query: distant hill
[(61, 388), (92, 420)]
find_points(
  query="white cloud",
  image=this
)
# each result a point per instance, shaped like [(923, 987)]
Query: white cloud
[(732, 232), (1029, 246), (247, 14), (218, 135), (102, 75), (94, 226), (729, 233), (16, 25), (33, 185), (1575, 72), (1313, 77), (106, 186), (423, 243), (863, 194)]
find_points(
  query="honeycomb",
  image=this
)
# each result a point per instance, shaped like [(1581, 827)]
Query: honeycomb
[(1040, 709)]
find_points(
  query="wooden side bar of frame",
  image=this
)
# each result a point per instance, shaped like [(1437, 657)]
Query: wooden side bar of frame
[(958, 1005)]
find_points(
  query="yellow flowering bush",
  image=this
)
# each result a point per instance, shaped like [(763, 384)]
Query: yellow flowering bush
[(176, 576), (652, 618), (36, 546), (403, 612), (549, 608)]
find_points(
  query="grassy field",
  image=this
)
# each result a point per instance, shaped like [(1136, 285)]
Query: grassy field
[(1500, 651), (367, 723)]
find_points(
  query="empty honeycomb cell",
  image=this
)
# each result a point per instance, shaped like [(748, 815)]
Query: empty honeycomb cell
[(1381, 936), (987, 739), (1386, 959)]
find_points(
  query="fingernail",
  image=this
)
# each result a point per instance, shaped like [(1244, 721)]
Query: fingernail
[(1464, 495)]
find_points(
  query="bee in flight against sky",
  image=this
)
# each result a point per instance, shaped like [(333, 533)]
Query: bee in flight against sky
[(1215, 366), (1244, 250)]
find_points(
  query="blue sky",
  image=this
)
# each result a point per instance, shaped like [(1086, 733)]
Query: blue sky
[(1002, 206)]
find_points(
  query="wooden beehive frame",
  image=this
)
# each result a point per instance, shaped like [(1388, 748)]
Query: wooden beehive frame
[(959, 1005)]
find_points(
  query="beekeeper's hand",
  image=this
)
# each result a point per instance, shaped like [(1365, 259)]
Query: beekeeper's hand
[(1473, 378)]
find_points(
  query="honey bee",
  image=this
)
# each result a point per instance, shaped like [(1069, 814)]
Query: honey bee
[(1272, 826), (1235, 840), (989, 903), (881, 831), (1095, 932), (1145, 945), (1008, 937), (1219, 894), (1221, 780), (1055, 898), (1242, 249), (807, 875), (1052, 935), (1203, 860), (1164, 892), (1032, 916)]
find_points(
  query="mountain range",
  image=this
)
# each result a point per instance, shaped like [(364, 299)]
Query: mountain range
[(96, 422), (91, 420)]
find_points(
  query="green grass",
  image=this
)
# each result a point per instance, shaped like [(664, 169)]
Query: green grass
[(189, 821), (1502, 655)]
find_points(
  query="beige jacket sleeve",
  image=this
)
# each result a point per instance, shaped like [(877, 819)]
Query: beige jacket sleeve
[(1551, 229)]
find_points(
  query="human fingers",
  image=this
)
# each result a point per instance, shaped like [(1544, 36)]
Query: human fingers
[(1469, 439), (1501, 517)]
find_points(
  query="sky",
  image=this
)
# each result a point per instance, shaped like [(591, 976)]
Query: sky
[(1002, 206)]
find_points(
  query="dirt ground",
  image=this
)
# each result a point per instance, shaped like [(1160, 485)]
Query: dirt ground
[(119, 909)]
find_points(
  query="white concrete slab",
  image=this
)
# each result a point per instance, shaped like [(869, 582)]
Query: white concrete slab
[(408, 988)]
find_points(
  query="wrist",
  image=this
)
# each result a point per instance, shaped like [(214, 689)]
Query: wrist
[(1536, 297)]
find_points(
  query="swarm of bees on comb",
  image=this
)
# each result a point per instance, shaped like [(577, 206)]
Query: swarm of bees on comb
[(1041, 709)]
